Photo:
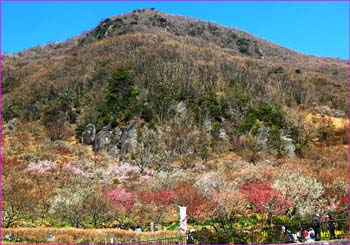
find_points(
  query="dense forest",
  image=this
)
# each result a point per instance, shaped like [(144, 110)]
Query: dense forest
[(150, 111)]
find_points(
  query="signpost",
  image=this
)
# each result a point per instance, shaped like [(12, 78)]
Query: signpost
[(183, 220)]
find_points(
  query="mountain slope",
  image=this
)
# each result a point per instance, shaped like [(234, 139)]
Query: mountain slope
[(150, 111), (183, 58)]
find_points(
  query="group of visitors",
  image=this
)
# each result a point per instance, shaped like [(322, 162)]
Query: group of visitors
[(313, 233), (304, 235)]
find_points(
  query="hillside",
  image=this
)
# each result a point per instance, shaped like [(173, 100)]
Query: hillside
[(150, 110)]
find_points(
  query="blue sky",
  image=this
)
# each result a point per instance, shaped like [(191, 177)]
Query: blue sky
[(317, 28)]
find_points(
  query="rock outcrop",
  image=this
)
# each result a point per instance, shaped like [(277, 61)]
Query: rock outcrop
[(287, 146), (262, 138), (102, 140), (286, 142), (223, 134), (116, 141), (129, 139), (88, 136)]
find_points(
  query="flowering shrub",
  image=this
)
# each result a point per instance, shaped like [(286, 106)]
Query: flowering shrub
[(209, 183), (264, 197), (343, 204), (160, 197), (242, 172), (69, 204), (121, 197), (305, 191), (41, 166), (227, 203), (77, 167), (63, 150), (170, 180), (11, 165), (123, 171), (187, 195)]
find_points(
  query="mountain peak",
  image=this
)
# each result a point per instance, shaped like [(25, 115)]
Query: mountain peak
[(151, 20)]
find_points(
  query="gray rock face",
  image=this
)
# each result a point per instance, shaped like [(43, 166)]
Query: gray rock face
[(207, 125), (222, 134), (181, 108), (88, 136), (114, 147), (117, 142), (287, 146), (262, 138), (117, 135), (102, 141), (286, 143), (129, 139)]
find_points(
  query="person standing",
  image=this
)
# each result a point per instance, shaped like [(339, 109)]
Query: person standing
[(190, 239), (316, 225), (331, 226)]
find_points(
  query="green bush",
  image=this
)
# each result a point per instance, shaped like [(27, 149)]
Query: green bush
[(121, 101), (274, 139), (266, 113), (244, 221), (239, 238), (211, 105), (9, 110), (215, 129), (299, 149), (147, 113), (206, 236), (126, 116)]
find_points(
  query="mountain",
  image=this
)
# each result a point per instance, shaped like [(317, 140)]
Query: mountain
[(153, 21), (179, 104), (221, 73), (150, 28)]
